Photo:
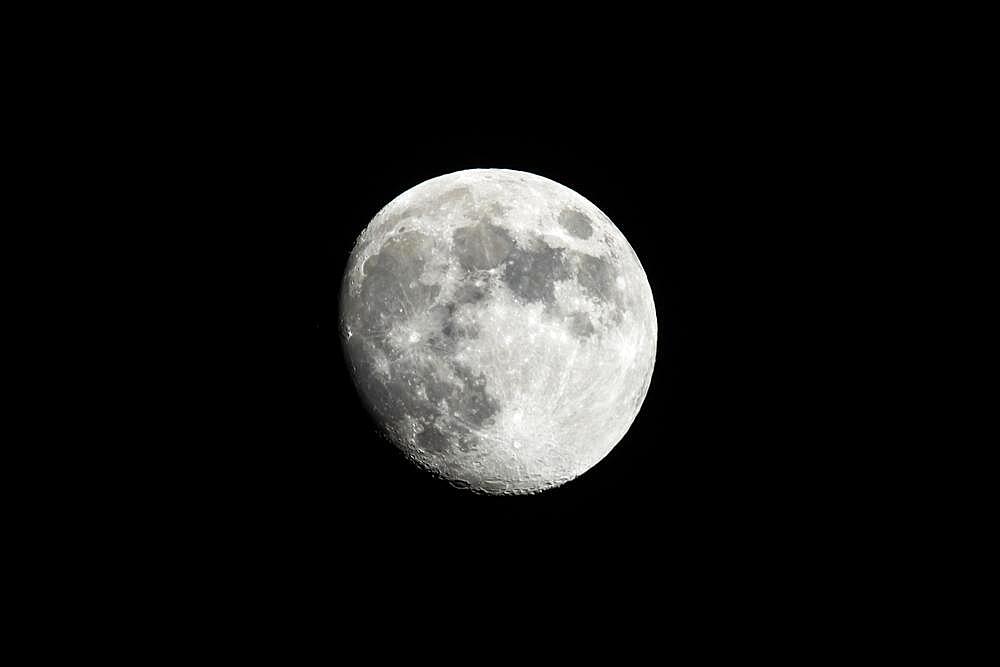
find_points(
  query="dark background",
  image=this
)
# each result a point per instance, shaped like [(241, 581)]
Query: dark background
[(250, 477)]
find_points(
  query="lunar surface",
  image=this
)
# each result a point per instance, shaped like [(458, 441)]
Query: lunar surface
[(499, 328)]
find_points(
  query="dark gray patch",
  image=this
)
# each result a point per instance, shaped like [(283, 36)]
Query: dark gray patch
[(470, 407), (386, 398), (435, 340), (449, 329), (455, 330), (437, 390), (469, 292), (432, 440), (446, 330), (576, 223), (531, 274), (406, 252), (392, 398), (391, 289), (579, 325), (597, 277), (447, 434), (472, 404), (481, 246)]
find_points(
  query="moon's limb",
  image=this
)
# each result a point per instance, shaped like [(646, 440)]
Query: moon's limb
[(500, 328)]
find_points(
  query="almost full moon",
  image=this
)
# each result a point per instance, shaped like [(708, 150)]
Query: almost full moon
[(499, 328)]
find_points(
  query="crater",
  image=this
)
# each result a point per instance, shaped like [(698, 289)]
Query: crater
[(481, 246), (576, 223)]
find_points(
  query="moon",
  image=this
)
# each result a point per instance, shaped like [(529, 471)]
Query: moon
[(499, 328)]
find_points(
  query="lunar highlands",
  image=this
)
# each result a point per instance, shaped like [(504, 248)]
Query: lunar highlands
[(499, 328)]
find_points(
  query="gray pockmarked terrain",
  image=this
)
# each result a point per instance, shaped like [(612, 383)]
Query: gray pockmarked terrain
[(500, 329)]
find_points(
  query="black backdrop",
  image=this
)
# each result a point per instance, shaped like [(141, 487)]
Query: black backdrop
[(745, 168), (250, 473)]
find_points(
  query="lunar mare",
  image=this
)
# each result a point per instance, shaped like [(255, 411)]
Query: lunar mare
[(499, 328)]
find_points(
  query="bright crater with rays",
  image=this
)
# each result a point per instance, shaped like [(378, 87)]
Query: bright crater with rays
[(499, 328)]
